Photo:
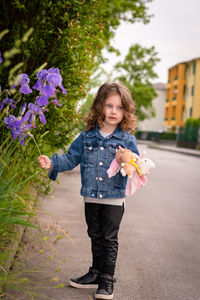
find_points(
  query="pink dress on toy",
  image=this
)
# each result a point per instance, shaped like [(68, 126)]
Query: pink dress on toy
[(134, 183)]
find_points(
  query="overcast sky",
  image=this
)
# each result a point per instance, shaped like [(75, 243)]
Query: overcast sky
[(174, 31)]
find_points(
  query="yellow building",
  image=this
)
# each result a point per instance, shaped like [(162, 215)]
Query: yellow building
[(182, 94), (192, 93)]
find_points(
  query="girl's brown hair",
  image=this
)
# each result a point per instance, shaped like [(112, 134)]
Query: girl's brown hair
[(96, 115)]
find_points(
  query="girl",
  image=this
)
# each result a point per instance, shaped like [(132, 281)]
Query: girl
[(109, 122)]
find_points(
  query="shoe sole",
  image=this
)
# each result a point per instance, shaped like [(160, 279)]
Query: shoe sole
[(83, 286), (107, 297)]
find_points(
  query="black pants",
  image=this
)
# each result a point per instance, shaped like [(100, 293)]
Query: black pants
[(103, 225)]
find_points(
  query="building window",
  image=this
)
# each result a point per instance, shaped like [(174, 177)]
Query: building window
[(183, 113), (194, 68), (190, 112), (185, 91), (192, 91)]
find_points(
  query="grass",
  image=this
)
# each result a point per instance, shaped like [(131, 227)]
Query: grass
[(21, 183)]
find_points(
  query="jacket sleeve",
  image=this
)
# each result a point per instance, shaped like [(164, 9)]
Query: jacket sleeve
[(69, 160), (132, 145)]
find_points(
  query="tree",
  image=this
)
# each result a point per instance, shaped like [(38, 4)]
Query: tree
[(69, 35), (136, 72)]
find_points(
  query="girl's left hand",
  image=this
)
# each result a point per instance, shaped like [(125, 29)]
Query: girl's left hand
[(118, 155)]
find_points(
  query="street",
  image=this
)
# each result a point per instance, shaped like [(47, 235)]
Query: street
[(159, 240), (160, 234)]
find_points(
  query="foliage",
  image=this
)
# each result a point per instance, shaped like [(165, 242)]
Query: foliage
[(136, 73), (192, 122), (188, 135), (155, 135), (69, 35), (19, 170), (168, 136)]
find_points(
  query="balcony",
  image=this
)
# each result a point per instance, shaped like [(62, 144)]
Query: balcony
[(166, 122), (175, 82), (174, 102), (166, 102), (169, 84), (173, 121)]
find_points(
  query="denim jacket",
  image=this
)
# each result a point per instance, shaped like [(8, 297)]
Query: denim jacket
[(95, 153)]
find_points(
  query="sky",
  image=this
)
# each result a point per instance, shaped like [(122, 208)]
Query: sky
[(174, 30)]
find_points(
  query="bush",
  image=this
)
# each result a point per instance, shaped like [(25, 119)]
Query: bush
[(191, 122), (69, 35), (168, 136)]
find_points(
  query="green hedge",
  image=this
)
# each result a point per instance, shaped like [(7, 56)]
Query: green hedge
[(168, 136), (155, 136), (69, 35)]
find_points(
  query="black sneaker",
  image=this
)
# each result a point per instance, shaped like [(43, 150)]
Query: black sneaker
[(105, 288), (87, 281)]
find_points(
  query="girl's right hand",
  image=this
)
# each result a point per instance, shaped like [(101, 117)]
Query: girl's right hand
[(45, 162)]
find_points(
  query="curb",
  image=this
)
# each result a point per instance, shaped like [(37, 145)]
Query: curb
[(180, 151)]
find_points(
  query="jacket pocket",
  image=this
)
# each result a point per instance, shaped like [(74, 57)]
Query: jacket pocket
[(90, 153), (111, 153)]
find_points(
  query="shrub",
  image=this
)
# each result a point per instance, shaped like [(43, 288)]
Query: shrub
[(168, 136)]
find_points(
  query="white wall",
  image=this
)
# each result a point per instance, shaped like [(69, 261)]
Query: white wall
[(157, 123)]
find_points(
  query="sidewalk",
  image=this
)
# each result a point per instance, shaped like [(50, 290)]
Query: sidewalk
[(155, 235), (172, 148)]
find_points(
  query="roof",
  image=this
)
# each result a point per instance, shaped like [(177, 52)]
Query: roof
[(184, 62), (159, 86)]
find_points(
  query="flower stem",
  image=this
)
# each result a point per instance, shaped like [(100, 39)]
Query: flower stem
[(32, 136)]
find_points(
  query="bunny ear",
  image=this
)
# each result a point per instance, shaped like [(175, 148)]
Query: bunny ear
[(144, 154)]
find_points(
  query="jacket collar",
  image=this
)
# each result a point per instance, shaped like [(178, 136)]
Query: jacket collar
[(118, 133)]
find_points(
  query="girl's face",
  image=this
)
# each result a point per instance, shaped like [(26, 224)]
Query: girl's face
[(113, 111)]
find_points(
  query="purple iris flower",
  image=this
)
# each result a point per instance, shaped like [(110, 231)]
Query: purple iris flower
[(42, 74), (48, 90), (42, 100), (54, 70), (54, 79), (47, 82), (23, 79), (1, 58), (18, 127), (31, 114), (7, 101), (25, 89), (10, 121), (24, 82)]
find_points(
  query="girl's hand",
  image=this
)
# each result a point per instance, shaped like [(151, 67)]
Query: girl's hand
[(118, 155), (45, 162)]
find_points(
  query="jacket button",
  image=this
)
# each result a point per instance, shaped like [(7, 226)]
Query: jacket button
[(90, 148), (101, 148), (101, 163), (100, 178), (96, 178)]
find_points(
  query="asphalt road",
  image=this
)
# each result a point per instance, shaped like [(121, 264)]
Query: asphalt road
[(159, 240)]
